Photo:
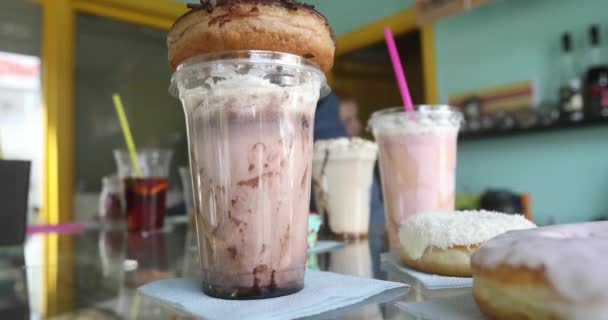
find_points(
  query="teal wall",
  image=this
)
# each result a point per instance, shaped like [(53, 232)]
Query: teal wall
[(510, 41), (566, 172), (347, 15)]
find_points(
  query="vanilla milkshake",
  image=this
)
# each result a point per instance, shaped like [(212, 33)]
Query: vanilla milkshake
[(250, 121), (342, 180), (417, 155)]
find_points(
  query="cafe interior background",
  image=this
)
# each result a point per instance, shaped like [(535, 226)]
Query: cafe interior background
[(61, 60)]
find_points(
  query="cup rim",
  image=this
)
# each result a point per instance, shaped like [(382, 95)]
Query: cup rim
[(282, 59), (419, 110), (348, 156)]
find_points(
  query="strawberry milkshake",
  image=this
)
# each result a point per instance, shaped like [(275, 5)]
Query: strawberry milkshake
[(417, 156)]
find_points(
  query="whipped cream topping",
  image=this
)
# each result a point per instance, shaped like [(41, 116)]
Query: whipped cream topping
[(344, 143), (427, 119), (345, 147), (204, 76), (458, 228), (222, 88)]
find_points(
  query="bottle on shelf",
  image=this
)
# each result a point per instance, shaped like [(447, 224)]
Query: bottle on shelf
[(596, 79), (570, 96)]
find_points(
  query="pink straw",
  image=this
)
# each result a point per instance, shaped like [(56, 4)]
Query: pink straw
[(399, 74), (56, 228)]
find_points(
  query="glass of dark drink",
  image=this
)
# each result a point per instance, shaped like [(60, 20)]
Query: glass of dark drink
[(145, 194)]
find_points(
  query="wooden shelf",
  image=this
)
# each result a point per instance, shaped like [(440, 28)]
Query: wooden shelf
[(558, 126)]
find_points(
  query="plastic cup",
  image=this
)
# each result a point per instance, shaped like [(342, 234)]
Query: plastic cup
[(343, 172), (249, 117), (145, 195), (417, 155)]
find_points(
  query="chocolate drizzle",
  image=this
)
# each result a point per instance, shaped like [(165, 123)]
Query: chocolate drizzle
[(259, 289), (210, 5), (254, 182)]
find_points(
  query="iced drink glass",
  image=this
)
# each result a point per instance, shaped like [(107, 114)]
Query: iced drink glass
[(145, 195), (250, 122), (343, 171), (417, 156)]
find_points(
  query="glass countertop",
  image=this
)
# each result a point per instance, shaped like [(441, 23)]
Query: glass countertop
[(95, 274)]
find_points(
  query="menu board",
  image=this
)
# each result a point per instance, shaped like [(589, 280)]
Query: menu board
[(428, 11)]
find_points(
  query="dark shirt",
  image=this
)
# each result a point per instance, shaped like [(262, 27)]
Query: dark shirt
[(327, 119)]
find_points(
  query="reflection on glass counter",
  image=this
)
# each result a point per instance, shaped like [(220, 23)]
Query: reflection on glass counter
[(13, 285)]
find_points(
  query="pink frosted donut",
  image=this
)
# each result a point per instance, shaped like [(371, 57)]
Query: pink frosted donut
[(555, 272)]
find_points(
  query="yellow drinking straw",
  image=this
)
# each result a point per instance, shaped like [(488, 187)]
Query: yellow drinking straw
[(124, 123)]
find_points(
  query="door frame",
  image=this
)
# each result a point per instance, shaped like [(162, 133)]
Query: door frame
[(58, 44), (401, 22)]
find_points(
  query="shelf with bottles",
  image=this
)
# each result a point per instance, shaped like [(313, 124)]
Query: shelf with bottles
[(583, 97), (516, 130)]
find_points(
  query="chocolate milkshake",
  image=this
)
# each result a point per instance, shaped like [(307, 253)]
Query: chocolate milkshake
[(249, 74), (250, 136)]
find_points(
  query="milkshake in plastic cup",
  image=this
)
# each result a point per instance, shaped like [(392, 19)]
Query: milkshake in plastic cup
[(342, 180), (417, 156), (250, 122)]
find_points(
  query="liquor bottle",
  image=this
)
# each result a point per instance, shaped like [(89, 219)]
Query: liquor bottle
[(596, 79), (570, 96)]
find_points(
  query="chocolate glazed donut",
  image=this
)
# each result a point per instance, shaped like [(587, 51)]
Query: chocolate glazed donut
[(273, 25)]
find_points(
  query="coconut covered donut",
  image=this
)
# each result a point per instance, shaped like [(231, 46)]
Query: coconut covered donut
[(555, 272), (273, 25), (442, 242)]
